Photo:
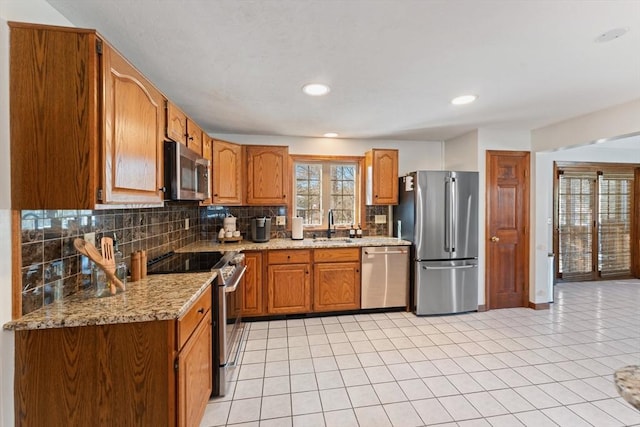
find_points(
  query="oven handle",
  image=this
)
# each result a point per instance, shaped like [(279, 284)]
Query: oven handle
[(232, 288)]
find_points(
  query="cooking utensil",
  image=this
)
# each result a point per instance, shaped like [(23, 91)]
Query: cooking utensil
[(109, 260), (89, 250)]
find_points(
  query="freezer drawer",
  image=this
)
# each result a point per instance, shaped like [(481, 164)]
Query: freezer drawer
[(445, 287), (385, 276)]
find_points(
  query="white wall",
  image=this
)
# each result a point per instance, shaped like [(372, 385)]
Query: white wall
[(461, 153), (616, 121), (27, 11), (414, 155)]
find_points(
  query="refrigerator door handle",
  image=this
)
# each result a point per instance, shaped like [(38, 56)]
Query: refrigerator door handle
[(454, 214), (458, 267), (447, 214)]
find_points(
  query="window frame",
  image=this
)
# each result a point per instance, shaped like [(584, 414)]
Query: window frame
[(360, 216)]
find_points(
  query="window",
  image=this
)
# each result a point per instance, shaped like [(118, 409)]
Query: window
[(594, 222), (323, 185)]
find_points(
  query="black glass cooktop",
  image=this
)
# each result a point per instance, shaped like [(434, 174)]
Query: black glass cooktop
[(188, 262)]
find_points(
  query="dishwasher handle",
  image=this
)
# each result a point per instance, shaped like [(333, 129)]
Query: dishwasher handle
[(384, 253), (457, 267)]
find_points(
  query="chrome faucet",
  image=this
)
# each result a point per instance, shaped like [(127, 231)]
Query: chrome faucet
[(329, 224)]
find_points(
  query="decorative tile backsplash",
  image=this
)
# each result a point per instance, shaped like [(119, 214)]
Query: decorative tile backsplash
[(52, 269)]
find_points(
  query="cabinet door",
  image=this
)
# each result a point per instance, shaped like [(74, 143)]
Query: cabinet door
[(227, 173), (252, 301), (267, 175), (382, 177), (336, 286), (194, 138), (207, 142), (289, 289), (133, 122), (195, 375), (176, 124)]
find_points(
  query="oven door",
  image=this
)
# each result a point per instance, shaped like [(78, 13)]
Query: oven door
[(230, 330)]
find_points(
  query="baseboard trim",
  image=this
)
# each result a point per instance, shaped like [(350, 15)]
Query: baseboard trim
[(539, 306), (482, 308)]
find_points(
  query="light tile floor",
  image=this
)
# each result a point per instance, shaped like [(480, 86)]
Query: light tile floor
[(509, 367)]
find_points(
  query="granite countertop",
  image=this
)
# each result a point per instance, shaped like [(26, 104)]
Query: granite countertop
[(627, 382), (334, 242), (157, 297)]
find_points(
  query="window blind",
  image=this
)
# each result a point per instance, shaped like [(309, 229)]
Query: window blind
[(614, 223)]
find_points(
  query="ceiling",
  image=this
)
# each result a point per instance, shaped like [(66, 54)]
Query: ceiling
[(393, 65)]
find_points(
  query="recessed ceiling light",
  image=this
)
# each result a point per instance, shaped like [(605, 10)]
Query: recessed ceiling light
[(330, 135), (315, 89), (611, 35), (464, 99)]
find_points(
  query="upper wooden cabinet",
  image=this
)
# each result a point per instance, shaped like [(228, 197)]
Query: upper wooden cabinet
[(381, 176), (207, 153), (267, 174), (176, 124), (86, 126), (194, 137), (226, 186), (182, 129)]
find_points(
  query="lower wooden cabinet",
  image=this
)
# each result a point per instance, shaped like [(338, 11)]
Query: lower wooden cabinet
[(336, 286), (253, 297), (129, 374), (194, 374), (289, 289)]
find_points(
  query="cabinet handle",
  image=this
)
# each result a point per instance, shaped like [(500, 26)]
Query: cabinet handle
[(357, 270), (307, 272), (163, 189), (215, 195), (201, 310), (284, 196), (288, 256)]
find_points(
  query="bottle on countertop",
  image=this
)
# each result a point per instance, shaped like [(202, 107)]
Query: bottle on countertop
[(121, 266), (359, 231), (352, 232), (135, 266), (143, 264)]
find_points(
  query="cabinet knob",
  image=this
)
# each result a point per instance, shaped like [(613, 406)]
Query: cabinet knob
[(163, 189), (495, 239), (307, 272), (284, 196), (201, 310), (215, 195)]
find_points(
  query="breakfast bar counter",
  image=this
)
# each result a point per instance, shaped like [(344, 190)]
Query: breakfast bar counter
[(157, 297)]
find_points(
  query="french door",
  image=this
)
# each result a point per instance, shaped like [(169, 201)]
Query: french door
[(594, 221)]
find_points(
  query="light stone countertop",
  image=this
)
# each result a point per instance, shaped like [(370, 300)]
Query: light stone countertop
[(157, 297), (334, 242)]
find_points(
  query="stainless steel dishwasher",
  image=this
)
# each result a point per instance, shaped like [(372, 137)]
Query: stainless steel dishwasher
[(385, 276)]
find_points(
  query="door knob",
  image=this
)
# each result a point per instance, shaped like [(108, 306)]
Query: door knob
[(495, 239)]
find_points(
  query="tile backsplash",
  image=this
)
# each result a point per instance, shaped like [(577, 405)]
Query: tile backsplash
[(52, 269)]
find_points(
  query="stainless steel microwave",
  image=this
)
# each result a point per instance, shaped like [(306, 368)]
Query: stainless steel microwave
[(186, 173)]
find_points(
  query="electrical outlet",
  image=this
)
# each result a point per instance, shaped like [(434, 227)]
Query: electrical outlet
[(381, 219), (281, 220), (186, 223), (90, 237)]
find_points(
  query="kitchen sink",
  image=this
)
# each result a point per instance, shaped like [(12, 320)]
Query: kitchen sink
[(333, 239)]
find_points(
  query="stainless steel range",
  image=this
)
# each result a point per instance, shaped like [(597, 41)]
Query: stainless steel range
[(227, 302)]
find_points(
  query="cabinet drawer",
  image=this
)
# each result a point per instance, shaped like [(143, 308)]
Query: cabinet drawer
[(289, 257), (190, 320), (339, 254)]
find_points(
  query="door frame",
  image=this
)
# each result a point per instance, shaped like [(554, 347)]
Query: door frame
[(526, 302)]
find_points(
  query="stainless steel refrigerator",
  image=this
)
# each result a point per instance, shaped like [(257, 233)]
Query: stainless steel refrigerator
[(438, 212)]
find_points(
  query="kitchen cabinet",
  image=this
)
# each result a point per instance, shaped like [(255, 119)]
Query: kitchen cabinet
[(155, 373), (86, 126), (207, 153), (267, 175), (289, 281), (227, 173), (182, 129), (381, 176), (253, 300), (336, 279)]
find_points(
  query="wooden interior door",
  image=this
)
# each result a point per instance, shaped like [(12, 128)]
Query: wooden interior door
[(507, 229)]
